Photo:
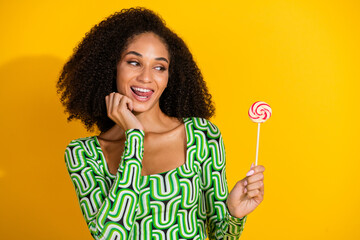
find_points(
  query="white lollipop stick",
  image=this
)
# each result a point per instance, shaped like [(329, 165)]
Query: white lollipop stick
[(259, 112), (257, 145)]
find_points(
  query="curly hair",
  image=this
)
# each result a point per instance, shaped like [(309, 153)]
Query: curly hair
[(90, 73)]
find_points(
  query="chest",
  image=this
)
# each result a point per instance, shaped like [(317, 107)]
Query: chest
[(162, 152)]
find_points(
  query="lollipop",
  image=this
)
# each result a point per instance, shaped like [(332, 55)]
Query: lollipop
[(259, 112)]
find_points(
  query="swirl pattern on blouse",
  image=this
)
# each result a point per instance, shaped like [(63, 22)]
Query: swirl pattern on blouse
[(187, 202)]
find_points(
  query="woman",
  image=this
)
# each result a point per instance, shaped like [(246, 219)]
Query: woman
[(157, 170)]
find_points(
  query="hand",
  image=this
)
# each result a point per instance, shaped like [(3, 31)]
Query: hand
[(119, 109), (247, 193)]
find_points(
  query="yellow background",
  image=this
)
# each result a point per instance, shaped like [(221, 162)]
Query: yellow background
[(302, 57)]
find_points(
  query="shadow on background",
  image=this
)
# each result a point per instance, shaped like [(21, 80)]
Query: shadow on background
[(38, 200)]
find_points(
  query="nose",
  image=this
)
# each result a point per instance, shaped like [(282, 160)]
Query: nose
[(145, 75)]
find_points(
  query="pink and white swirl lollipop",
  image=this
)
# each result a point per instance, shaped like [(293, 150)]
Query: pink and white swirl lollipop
[(259, 112)]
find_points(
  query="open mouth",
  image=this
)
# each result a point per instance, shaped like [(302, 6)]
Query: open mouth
[(142, 94)]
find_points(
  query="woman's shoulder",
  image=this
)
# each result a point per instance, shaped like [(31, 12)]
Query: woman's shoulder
[(81, 152), (87, 146), (204, 125), (83, 141)]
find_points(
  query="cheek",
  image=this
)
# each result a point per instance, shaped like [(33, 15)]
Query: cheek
[(166, 80), (120, 84), (121, 78), (164, 84), (161, 80)]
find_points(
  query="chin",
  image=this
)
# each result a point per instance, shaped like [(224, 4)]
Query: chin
[(140, 108), (146, 107)]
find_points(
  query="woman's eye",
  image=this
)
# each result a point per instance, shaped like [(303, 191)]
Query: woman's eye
[(160, 68), (134, 63)]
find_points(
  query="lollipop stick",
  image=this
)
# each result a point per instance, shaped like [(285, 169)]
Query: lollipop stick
[(257, 145)]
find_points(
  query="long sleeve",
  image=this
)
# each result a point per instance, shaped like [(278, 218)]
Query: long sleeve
[(109, 211), (221, 225)]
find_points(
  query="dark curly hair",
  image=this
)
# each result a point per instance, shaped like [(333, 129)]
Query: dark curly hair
[(90, 73)]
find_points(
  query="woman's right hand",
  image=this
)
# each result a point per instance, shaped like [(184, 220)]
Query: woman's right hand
[(119, 109)]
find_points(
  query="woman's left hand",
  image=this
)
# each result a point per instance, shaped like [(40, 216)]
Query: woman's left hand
[(247, 193)]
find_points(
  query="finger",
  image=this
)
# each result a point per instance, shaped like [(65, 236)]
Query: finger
[(256, 185), (118, 106), (116, 101), (254, 193), (240, 186), (256, 177), (258, 168), (130, 105), (111, 97), (255, 169), (126, 103)]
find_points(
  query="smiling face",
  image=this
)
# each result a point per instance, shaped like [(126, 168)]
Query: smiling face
[(142, 72)]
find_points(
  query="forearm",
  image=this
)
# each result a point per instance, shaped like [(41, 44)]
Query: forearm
[(117, 214), (108, 212), (220, 222)]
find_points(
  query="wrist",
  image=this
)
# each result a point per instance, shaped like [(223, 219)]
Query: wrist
[(233, 212)]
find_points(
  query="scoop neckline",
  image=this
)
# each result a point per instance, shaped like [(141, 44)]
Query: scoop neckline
[(185, 120)]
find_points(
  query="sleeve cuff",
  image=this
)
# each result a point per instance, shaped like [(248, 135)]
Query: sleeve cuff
[(238, 221), (129, 132), (134, 145)]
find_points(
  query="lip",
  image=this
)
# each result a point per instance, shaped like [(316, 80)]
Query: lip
[(141, 94)]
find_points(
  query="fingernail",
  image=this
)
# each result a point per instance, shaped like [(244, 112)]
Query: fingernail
[(252, 165), (245, 183), (245, 190), (251, 172)]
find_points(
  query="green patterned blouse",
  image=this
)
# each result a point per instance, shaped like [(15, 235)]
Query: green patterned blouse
[(188, 202)]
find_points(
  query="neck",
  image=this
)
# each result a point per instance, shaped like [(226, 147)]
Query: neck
[(154, 120)]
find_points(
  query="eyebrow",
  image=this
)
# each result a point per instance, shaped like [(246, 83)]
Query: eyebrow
[(139, 55)]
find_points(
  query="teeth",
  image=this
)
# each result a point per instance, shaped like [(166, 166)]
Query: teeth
[(141, 89)]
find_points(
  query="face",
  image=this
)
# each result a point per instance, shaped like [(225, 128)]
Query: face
[(142, 72)]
